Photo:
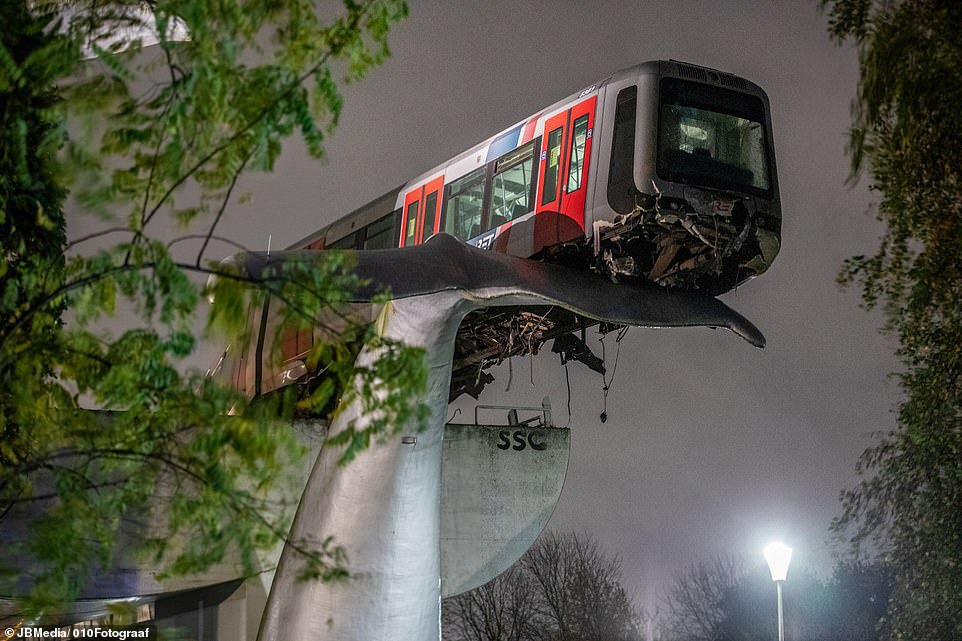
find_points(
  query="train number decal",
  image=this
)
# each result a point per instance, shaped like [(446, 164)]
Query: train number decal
[(484, 242)]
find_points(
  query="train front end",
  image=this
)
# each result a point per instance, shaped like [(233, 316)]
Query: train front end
[(694, 200)]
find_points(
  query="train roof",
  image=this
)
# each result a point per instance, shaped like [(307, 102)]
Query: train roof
[(661, 67), (363, 215)]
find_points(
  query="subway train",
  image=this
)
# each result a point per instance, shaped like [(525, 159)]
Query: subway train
[(663, 172)]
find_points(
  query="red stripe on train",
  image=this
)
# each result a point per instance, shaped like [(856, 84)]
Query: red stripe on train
[(529, 128)]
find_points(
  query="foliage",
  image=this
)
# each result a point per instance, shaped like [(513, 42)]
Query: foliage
[(847, 607), (907, 134), (715, 600), (165, 130), (860, 598), (693, 603), (31, 223), (565, 588), (504, 609)]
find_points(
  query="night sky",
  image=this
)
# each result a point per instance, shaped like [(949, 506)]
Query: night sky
[(711, 446)]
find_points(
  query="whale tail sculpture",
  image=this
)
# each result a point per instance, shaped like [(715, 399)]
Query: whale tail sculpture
[(385, 505)]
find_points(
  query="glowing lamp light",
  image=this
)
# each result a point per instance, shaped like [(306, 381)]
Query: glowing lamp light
[(778, 556)]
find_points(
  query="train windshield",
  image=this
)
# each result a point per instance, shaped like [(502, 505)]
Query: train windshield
[(712, 137)]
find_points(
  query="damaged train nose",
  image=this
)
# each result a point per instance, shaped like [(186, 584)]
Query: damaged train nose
[(704, 241)]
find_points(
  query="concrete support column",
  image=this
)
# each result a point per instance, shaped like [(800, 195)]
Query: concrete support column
[(383, 507)]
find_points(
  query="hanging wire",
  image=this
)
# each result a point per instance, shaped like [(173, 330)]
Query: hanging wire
[(510, 374), (608, 381), (604, 383), (568, 384)]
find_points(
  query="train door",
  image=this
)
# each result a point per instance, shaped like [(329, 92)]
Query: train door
[(420, 214), (565, 155), (576, 164), (430, 204), (552, 155), (409, 219)]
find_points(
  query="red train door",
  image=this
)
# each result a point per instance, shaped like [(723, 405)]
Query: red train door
[(565, 155), (409, 218), (552, 158), (430, 204), (420, 214), (578, 156)]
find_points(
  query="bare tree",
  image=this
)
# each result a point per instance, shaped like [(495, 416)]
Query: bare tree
[(565, 588), (504, 609), (692, 605)]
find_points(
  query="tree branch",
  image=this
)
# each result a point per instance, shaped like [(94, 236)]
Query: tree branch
[(223, 206), (257, 118), (98, 234), (222, 239)]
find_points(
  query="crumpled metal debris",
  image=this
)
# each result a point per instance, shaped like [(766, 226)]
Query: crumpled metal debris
[(489, 337), (703, 241)]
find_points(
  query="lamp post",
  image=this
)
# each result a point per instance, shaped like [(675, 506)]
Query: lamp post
[(779, 556)]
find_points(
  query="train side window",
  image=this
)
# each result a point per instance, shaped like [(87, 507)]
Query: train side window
[(621, 182), (380, 233), (552, 166), (430, 211), (511, 185), (576, 159), (465, 200), (396, 233), (348, 242), (411, 226)]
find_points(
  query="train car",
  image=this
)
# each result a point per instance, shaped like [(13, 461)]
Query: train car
[(664, 171)]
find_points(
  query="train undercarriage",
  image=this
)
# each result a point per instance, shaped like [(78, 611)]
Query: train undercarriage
[(490, 336)]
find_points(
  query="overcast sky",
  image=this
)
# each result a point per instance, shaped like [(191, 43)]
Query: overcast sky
[(711, 445)]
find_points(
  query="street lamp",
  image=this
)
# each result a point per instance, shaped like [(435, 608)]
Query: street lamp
[(779, 556)]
